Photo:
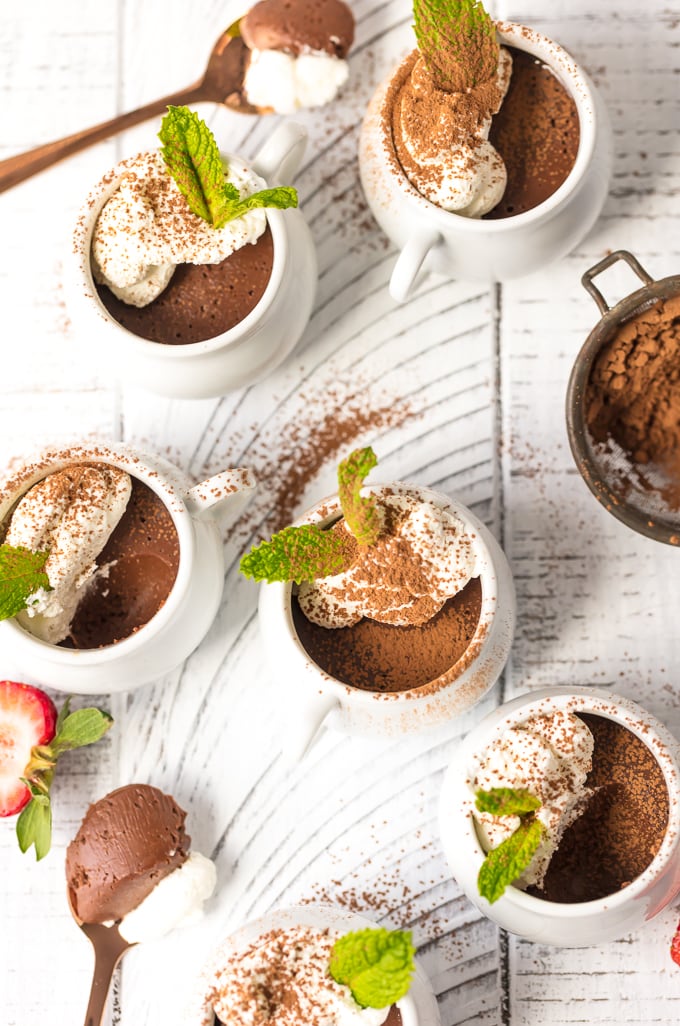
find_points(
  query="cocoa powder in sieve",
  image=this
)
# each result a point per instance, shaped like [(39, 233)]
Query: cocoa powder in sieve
[(633, 393)]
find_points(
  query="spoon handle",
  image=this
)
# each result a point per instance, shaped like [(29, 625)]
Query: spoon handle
[(109, 947), (23, 165)]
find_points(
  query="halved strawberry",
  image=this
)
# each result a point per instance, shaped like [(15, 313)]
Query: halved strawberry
[(675, 946), (27, 718)]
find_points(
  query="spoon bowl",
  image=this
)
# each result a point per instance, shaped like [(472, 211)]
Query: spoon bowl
[(222, 82)]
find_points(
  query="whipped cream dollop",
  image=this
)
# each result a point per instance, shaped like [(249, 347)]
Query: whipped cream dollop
[(176, 900), (424, 556), (71, 514), (550, 756), (286, 82), (282, 980), (442, 140), (146, 228)]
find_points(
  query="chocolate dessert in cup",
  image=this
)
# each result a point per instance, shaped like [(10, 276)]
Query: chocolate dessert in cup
[(583, 788), (401, 619), (485, 163), (131, 877), (129, 571), (277, 970), (174, 297), (623, 404)]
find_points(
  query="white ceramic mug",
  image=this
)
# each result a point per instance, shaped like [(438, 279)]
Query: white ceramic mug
[(316, 699), (238, 357), (495, 250), (418, 1008), (188, 611), (565, 925)]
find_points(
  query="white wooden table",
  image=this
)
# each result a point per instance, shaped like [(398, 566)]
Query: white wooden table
[(483, 374)]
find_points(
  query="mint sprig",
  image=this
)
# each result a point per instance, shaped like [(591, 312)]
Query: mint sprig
[(376, 965), (194, 161), (296, 554), (361, 513), (74, 730), (309, 552), (506, 801), (504, 864), (457, 41), (21, 574)]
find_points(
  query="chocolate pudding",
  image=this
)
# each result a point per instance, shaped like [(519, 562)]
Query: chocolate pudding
[(383, 657), (201, 300), (142, 555), (128, 841), (623, 825), (537, 134)]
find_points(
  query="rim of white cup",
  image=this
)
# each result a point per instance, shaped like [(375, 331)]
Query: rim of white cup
[(142, 467), (600, 703), (317, 916), (82, 240), (575, 82), (328, 510)]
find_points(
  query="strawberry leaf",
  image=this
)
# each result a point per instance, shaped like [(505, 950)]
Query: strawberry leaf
[(507, 862), (21, 575), (81, 728), (34, 825), (296, 554), (361, 514), (376, 965), (194, 161), (506, 801)]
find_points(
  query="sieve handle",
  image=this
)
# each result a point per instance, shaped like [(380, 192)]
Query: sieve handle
[(620, 254)]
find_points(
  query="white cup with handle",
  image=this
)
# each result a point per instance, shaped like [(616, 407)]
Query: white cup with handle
[(432, 239)]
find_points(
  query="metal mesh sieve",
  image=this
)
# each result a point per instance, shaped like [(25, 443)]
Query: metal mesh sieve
[(643, 497)]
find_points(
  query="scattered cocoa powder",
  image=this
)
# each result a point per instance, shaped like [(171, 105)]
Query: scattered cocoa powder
[(623, 825), (633, 393)]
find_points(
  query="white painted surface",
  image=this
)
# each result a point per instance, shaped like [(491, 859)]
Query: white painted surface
[(486, 370)]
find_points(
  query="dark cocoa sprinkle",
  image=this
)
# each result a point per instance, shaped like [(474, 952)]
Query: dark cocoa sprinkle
[(623, 825), (202, 300), (382, 657), (537, 133)]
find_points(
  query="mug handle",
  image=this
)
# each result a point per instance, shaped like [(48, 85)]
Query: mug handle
[(302, 728), (612, 258), (280, 157), (409, 262), (231, 490)]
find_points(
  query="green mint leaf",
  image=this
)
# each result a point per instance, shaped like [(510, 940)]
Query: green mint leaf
[(34, 825), (457, 41), (194, 161), (506, 801), (375, 964), (80, 728), (21, 574), (282, 197), (507, 862), (362, 514), (296, 554)]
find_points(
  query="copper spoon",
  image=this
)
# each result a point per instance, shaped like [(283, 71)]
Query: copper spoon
[(109, 946), (222, 82)]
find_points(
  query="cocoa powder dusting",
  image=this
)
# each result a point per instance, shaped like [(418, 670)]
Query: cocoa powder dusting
[(623, 825), (381, 657), (633, 393)]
